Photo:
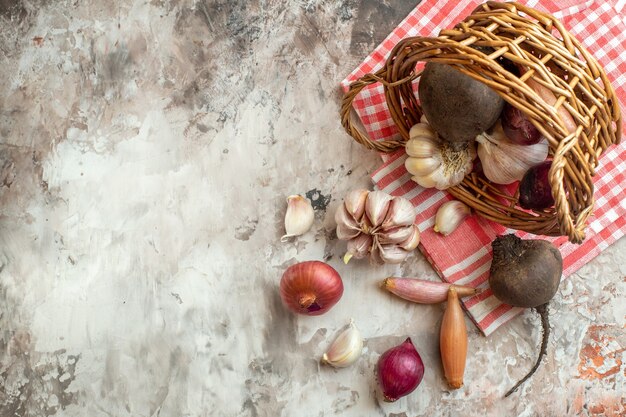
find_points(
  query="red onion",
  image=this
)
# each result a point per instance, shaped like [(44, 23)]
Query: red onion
[(535, 191), (310, 288), (400, 370), (518, 128)]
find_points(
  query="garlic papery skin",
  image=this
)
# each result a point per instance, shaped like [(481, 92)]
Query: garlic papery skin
[(346, 348), (505, 162), (449, 216), (432, 162), (299, 216)]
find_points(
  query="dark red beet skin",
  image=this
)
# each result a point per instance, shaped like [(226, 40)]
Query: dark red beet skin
[(535, 191)]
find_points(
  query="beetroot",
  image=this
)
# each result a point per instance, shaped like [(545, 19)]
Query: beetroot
[(526, 273)]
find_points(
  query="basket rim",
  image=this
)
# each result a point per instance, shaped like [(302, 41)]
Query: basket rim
[(578, 82)]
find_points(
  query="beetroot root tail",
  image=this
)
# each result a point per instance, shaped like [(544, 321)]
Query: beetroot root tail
[(542, 310)]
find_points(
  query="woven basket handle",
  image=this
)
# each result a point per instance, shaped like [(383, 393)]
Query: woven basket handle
[(348, 119)]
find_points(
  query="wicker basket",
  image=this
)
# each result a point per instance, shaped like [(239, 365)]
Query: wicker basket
[(553, 57)]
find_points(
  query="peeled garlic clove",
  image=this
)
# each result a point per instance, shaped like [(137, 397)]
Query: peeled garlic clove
[(396, 235), (413, 240), (392, 254), (421, 166), (299, 216), (376, 207), (355, 203), (358, 247), (347, 227), (449, 216), (401, 213), (346, 348)]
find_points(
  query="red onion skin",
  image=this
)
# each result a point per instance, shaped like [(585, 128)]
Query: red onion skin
[(518, 128), (400, 371), (310, 288), (535, 191)]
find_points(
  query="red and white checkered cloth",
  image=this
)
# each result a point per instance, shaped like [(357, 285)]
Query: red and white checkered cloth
[(465, 256)]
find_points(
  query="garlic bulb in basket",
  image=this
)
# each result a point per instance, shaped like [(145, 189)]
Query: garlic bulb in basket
[(434, 162), (505, 162), (377, 224)]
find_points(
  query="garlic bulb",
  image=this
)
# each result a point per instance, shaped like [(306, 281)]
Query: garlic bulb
[(505, 162), (449, 216), (433, 162), (377, 224), (346, 348), (299, 216)]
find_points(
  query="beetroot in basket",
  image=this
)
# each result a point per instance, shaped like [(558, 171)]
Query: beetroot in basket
[(578, 116)]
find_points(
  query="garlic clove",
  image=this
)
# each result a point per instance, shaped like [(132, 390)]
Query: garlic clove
[(412, 241), (426, 182), (299, 216), (392, 254), (346, 348), (421, 166), (395, 235), (421, 148), (358, 247), (347, 227), (436, 179), (401, 213), (376, 207), (449, 216), (422, 130), (346, 233), (355, 203)]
